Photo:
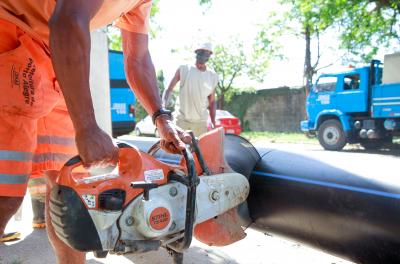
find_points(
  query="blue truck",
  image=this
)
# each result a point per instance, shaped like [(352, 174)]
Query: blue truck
[(359, 105), (122, 98)]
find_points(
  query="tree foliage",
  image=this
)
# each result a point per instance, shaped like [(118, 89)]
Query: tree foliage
[(265, 48), (231, 61), (365, 26), (205, 2), (114, 34), (140, 112), (312, 18)]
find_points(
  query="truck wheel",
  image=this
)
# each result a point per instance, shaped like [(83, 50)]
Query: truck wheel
[(331, 135)]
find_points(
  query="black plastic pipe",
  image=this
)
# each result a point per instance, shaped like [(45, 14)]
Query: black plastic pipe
[(308, 200), (354, 215)]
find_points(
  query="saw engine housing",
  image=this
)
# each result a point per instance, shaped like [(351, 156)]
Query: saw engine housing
[(145, 203)]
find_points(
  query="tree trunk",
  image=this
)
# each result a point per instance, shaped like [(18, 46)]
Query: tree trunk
[(221, 100), (308, 70)]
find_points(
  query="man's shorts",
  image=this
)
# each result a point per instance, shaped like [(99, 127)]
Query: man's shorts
[(36, 132), (198, 128)]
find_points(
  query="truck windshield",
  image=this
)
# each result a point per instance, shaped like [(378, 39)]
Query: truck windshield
[(325, 84)]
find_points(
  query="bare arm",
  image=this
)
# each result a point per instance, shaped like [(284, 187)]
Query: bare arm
[(211, 107), (70, 53), (171, 86), (140, 71), (70, 50), (141, 77)]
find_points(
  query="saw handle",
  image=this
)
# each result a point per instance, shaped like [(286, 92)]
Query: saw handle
[(76, 161), (195, 146)]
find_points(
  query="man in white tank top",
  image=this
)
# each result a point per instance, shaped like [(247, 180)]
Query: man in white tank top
[(196, 93)]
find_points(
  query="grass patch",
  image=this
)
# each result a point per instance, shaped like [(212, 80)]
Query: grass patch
[(278, 137)]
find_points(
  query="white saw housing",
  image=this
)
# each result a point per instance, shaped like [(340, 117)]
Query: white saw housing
[(164, 213)]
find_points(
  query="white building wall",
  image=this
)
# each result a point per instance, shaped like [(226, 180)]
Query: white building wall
[(100, 79)]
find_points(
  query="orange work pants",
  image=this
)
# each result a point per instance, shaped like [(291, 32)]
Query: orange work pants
[(36, 132)]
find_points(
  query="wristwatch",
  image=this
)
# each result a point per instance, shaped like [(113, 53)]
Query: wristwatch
[(161, 111)]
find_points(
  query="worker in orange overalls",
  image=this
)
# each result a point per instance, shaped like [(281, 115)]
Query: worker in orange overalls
[(45, 101)]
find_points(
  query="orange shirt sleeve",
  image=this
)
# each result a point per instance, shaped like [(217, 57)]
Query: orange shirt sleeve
[(137, 19)]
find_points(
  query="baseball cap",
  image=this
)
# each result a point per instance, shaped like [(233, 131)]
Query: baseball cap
[(204, 46)]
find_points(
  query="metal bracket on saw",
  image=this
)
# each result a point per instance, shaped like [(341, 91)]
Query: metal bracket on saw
[(191, 181)]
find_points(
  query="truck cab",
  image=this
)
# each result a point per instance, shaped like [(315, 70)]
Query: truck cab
[(343, 90), (340, 108)]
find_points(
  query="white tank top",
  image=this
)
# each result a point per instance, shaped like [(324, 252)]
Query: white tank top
[(195, 87)]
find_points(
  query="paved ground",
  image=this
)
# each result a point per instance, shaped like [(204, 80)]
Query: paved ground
[(257, 247)]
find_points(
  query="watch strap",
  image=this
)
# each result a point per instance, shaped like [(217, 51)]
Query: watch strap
[(161, 111)]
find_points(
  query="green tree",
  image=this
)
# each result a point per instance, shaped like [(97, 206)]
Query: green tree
[(312, 18), (204, 2), (114, 34), (231, 61), (365, 26), (139, 110)]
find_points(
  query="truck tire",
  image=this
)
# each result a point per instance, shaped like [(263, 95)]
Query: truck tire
[(331, 135)]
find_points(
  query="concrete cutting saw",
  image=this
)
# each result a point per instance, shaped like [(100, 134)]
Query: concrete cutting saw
[(144, 204)]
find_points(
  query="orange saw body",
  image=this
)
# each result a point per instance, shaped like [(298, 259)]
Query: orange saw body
[(144, 204)]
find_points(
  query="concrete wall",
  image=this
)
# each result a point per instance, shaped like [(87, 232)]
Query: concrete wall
[(100, 79), (278, 110), (391, 68)]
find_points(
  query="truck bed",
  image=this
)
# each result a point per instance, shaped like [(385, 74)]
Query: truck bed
[(386, 100)]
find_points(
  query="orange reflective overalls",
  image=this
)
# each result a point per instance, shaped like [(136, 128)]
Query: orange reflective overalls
[(36, 132)]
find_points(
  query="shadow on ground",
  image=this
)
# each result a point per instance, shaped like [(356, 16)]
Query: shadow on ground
[(194, 255), (393, 150), (36, 249)]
